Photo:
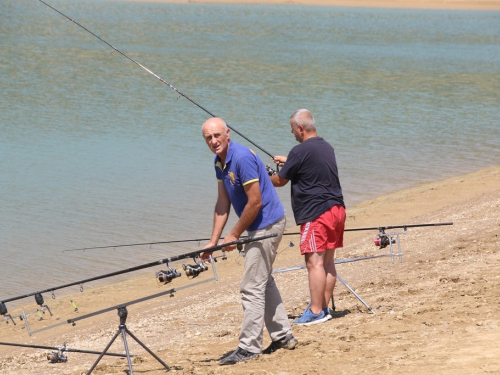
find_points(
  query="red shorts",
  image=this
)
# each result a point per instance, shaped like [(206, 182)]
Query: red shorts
[(326, 232)]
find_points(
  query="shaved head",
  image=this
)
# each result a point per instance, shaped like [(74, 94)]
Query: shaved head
[(216, 134)]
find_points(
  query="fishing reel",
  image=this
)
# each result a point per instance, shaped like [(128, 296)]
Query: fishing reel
[(167, 276), (270, 170), (4, 311), (194, 270), (383, 240), (58, 357), (3, 308)]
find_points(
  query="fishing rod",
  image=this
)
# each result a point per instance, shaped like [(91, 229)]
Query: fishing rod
[(380, 229), (154, 75), (59, 356), (404, 226), (384, 228), (140, 244), (192, 271), (388, 239)]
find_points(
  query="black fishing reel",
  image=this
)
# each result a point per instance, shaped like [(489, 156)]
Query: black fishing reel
[(4, 311), (270, 170), (383, 240), (3, 308), (167, 276), (58, 357), (194, 270)]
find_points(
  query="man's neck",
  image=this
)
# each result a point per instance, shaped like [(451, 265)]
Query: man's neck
[(309, 135)]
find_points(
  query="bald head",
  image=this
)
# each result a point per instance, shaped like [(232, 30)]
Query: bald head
[(216, 134), (214, 122)]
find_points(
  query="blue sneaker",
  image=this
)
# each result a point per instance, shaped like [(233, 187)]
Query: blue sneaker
[(308, 318), (328, 315)]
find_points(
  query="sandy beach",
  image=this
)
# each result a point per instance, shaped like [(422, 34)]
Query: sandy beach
[(415, 4), (434, 312)]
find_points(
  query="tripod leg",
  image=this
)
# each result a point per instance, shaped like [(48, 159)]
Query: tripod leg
[(145, 348), (104, 352), (124, 336), (353, 292)]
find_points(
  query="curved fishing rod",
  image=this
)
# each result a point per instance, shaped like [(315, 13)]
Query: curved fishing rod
[(380, 229), (154, 75), (192, 254)]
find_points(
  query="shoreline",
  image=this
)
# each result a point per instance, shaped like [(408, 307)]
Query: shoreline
[(354, 220), (433, 291), (401, 4)]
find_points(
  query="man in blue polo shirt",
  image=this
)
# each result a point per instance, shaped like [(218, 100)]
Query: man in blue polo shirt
[(243, 182)]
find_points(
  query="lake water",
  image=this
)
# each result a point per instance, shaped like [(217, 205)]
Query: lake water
[(97, 152)]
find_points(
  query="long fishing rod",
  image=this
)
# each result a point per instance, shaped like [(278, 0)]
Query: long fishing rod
[(380, 229), (192, 254), (404, 226), (154, 75), (57, 357), (139, 244)]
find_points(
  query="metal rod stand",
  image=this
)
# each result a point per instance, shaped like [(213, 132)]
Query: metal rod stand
[(123, 330), (353, 292)]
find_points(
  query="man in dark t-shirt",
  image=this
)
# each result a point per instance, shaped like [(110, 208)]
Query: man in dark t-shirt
[(318, 207)]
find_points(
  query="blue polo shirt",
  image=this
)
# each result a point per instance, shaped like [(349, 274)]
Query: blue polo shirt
[(242, 167)]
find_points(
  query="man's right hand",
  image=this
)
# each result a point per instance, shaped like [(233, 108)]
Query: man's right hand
[(280, 160)]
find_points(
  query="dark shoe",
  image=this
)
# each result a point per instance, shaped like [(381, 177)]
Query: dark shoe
[(239, 355), (288, 342)]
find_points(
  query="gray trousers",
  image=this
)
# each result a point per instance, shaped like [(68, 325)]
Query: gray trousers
[(260, 296)]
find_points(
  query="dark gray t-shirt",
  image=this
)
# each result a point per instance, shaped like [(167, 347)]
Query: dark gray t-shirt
[(311, 167)]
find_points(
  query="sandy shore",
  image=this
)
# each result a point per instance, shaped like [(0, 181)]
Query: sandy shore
[(436, 312), (415, 4)]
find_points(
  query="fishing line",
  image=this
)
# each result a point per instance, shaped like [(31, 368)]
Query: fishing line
[(153, 74)]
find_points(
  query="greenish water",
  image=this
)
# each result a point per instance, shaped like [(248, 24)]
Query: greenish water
[(96, 152)]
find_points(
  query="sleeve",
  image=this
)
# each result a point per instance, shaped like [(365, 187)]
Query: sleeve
[(218, 170), (248, 170)]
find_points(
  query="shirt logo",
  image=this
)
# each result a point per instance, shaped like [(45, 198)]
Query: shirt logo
[(232, 179)]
